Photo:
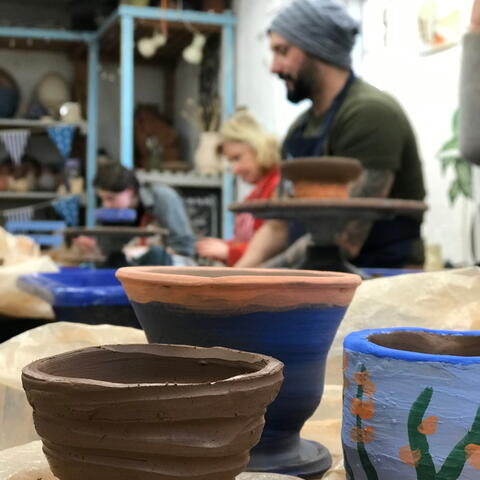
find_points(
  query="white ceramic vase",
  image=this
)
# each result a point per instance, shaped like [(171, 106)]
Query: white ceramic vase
[(206, 158)]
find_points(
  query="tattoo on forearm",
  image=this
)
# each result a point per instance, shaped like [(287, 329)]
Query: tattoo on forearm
[(372, 183)]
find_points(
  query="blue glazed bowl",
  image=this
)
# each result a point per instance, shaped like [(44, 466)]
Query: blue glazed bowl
[(82, 295), (287, 314), (116, 215), (9, 99)]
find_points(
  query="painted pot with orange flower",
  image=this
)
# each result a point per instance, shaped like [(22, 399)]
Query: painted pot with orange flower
[(412, 405)]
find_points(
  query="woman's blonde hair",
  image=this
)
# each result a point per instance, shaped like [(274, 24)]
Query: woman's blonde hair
[(242, 127)]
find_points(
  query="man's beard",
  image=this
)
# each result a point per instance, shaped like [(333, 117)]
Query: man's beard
[(303, 85)]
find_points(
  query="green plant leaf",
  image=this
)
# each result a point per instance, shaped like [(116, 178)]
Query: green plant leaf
[(448, 160), (454, 191), (464, 177), (456, 122), (452, 144)]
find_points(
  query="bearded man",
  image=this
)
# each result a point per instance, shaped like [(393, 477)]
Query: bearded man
[(311, 41)]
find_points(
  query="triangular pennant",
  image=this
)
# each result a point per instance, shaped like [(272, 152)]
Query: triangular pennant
[(68, 208), (15, 142), (62, 136)]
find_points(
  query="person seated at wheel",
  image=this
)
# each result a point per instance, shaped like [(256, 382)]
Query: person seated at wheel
[(254, 156), (118, 187)]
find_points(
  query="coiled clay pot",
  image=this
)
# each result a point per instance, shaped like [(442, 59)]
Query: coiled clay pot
[(150, 412), (292, 315), (412, 405)]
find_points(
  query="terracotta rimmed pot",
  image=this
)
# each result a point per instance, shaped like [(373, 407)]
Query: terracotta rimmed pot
[(289, 314), (321, 177), (412, 404), (150, 412)]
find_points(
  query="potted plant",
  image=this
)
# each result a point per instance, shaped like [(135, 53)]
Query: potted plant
[(450, 158)]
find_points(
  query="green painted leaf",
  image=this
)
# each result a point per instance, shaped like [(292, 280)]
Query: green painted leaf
[(418, 441)]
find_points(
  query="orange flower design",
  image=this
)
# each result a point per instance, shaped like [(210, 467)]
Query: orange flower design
[(473, 455), (365, 409), (364, 435), (345, 361), (409, 456), (429, 425), (363, 379)]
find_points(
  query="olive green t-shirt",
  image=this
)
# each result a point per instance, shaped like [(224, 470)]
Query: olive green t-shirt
[(372, 127)]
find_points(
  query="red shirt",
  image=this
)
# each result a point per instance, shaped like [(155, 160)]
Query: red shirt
[(245, 223)]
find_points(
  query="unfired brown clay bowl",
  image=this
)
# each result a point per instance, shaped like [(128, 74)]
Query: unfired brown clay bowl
[(291, 315), (150, 412), (321, 177)]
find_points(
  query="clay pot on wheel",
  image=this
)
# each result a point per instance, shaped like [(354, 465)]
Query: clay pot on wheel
[(321, 177), (411, 404), (289, 314), (150, 412)]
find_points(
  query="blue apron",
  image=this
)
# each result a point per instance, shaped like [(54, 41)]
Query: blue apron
[(390, 242)]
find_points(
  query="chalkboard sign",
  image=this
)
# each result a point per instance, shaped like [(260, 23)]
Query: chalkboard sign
[(203, 209)]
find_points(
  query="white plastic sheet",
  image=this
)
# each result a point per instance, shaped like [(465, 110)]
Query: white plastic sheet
[(20, 255), (16, 425)]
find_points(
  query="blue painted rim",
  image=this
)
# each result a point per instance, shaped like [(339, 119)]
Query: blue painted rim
[(358, 342)]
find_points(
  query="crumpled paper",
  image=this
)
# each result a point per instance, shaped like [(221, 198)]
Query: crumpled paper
[(12, 468), (16, 248), (16, 424), (20, 255)]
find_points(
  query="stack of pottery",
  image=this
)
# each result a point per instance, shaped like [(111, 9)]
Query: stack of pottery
[(412, 405), (150, 412), (288, 314)]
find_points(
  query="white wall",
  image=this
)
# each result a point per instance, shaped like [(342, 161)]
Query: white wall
[(427, 86), (257, 88), (149, 88)]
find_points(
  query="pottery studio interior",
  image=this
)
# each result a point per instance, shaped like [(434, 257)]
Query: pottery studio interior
[(239, 239)]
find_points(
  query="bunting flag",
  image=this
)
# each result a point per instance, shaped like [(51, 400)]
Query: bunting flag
[(15, 142), (22, 214), (68, 208), (62, 136)]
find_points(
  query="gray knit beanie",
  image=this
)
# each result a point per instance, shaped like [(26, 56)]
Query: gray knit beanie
[(322, 28)]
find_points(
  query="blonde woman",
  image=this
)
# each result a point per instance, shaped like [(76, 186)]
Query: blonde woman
[(254, 156)]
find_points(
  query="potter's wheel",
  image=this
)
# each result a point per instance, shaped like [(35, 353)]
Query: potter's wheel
[(324, 218), (311, 209)]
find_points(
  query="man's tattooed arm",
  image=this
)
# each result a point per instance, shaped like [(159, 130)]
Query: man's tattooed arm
[(372, 183)]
